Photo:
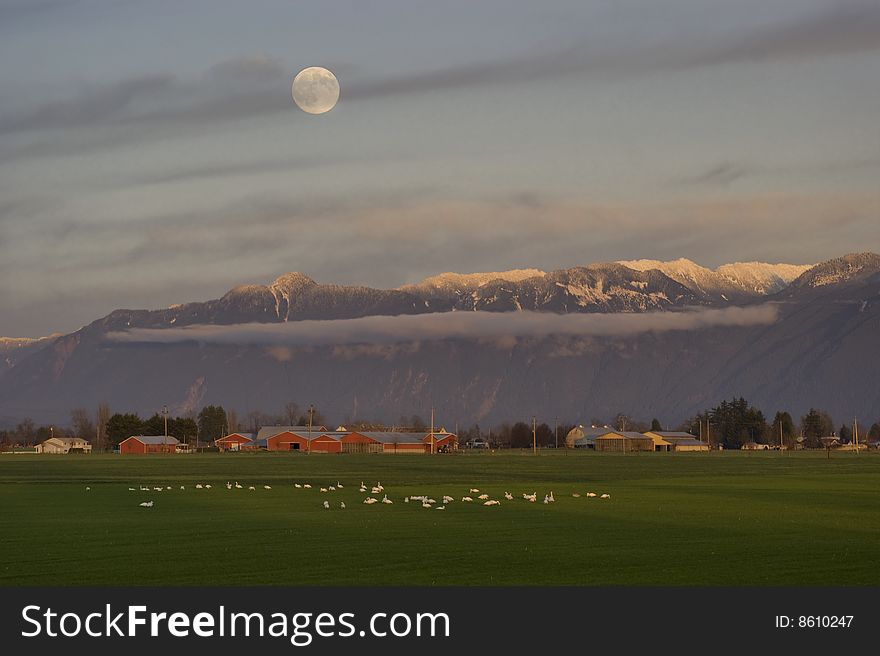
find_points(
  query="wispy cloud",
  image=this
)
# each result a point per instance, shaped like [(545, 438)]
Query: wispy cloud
[(722, 174), (259, 85), (452, 325)]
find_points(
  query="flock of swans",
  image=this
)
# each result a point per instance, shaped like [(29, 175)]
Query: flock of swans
[(375, 490)]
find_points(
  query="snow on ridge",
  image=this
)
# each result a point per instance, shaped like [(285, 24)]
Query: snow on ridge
[(18, 342), (754, 277), (761, 277), (450, 279)]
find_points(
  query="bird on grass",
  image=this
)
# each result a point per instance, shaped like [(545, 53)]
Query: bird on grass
[(370, 501), (267, 487), (605, 496), (327, 504), (307, 486), (440, 508), (492, 502), (483, 497), (88, 489), (251, 487), (342, 505), (466, 499), (146, 504)]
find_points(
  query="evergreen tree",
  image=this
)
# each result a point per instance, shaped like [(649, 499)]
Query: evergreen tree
[(656, 425), (212, 423), (789, 433), (121, 426)]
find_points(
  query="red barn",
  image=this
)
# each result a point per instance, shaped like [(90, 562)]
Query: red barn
[(443, 441), (233, 441), (140, 444), (327, 443)]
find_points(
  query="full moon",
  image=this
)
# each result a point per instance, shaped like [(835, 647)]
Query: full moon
[(315, 90)]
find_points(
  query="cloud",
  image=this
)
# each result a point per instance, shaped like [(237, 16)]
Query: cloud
[(258, 85), (722, 174), (845, 28), (93, 105), (450, 325), (212, 171)]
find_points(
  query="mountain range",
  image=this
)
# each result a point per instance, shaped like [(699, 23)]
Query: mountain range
[(816, 350)]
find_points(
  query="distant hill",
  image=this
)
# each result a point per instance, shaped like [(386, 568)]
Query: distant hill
[(817, 353)]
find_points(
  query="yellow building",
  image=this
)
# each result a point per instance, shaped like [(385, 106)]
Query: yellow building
[(676, 441), (624, 441), (65, 445)]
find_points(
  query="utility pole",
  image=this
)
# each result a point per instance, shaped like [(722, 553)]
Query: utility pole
[(780, 434), (432, 429), (856, 433), (556, 431), (534, 435), (165, 415), (311, 415)]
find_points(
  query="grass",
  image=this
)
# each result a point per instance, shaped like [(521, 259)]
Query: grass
[(673, 519)]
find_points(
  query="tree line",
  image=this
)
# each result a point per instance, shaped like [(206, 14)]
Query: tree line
[(730, 424)]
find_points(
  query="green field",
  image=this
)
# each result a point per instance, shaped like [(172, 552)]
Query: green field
[(673, 519)]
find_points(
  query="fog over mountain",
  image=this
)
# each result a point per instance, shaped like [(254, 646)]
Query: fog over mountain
[(649, 338)]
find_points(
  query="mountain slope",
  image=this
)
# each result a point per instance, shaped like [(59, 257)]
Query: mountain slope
[(816, 354)]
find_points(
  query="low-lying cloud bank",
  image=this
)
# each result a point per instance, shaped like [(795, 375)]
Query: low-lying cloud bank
[(450, 325)]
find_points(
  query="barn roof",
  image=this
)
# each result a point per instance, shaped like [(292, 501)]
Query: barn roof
[(335, 435), (269, 431), (674, 435), (154, 439), (249, 436), (391, 437), (690, 442), (613, 434)]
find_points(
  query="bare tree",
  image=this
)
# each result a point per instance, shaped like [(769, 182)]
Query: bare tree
[(102, 417), (82, 423), (291, 413), (232, 421)]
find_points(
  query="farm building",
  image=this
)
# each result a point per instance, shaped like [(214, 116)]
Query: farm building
[(623, 441), (689, 444), (584, 438), (343, 441), (65, 445), (270, 431), (676, 441), (284, 440), (138, 444), (233, 441)]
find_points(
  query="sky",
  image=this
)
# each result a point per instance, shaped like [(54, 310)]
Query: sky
[(151, 154)]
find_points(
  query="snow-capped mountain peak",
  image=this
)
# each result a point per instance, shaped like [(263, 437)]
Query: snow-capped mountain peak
[(451, 280), (727, 281)]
